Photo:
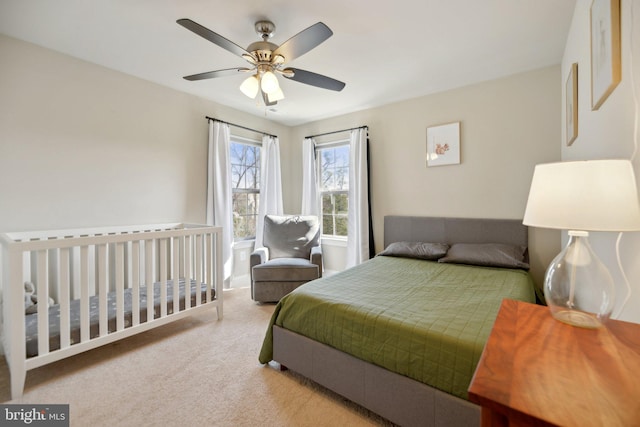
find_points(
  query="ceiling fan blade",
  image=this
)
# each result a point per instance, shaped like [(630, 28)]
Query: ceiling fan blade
[(217, 73), (211, 36), (313, 79), (303, 42)]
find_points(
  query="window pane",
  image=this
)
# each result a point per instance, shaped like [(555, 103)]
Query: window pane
[(327, 204), (245, 173), (327, 224), (341, 203), (342, 156), (333, 166), (341, 225), (245, 166)]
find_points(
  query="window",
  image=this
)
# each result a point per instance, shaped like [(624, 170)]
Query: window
[(245, 181), (333, 165)]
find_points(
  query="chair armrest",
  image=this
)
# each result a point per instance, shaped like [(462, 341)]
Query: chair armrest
[(316, 258), (258, 256)]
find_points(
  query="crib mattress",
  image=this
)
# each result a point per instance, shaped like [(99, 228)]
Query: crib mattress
[(31, 321)]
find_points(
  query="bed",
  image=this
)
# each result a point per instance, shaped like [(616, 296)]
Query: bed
[(401, 334), (69, 291)]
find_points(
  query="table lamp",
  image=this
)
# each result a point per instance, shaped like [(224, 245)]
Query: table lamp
[(582, 196)]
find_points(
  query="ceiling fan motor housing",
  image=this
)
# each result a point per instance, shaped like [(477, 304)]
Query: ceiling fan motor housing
[(265, 29), (262, 50)]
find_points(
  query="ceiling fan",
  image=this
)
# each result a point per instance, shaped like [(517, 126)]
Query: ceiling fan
[(268, 59)]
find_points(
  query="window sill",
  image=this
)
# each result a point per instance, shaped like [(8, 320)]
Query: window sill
[(334, 241), (244, 244)]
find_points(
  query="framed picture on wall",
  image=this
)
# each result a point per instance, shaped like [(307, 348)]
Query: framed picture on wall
[(443, 144), (605, 50), (571, 104)]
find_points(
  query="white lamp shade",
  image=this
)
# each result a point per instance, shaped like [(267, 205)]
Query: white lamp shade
[(275, 96), (592, 195), (269, 82), (250, 86)]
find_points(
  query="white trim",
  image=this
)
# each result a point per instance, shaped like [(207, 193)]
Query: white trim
[(329, 240), (331, 144), (244, 244), (245, 140)]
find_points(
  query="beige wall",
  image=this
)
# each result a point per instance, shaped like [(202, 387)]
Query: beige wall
[(507, 125), (140, 149), (608, 133), (82, 145)]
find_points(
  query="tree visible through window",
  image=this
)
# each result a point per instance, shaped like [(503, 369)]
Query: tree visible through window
[(245, 180), (334, 188)]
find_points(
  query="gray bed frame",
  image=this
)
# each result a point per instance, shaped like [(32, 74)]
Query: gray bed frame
[(395, 397)]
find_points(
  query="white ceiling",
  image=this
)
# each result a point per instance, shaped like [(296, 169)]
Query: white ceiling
[(385, 51)]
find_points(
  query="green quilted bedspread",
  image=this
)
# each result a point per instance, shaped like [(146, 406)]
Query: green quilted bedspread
[(425, 320)]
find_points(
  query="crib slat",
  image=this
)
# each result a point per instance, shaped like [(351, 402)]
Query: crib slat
[(103, 289), (219, 263), (198, 268), (43, 295), (148, 262), (176, 275), (65, 297), (187, 269), (209, 261), (119, 272), (135, 278), (84, 294), (163, 277)]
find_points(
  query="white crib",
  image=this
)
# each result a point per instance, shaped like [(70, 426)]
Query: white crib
[(106, 284)]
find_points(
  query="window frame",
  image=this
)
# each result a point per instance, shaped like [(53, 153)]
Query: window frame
[(236, 139), (318, 149)]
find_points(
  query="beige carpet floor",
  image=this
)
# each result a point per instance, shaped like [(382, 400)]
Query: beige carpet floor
[(197, 371)]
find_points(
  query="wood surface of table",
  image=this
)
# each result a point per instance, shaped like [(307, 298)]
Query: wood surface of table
[(538, 371)]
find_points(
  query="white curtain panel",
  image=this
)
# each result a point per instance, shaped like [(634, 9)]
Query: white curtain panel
[(358, 216), (270, 184), (219, 207), (310, 193)]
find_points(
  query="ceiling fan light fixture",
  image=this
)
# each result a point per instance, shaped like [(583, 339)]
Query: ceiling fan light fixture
[(250, 86), (276, 96), (269, 82)]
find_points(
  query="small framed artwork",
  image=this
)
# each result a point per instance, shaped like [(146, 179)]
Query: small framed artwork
[(605, 50), (571, 104), (443, 144)]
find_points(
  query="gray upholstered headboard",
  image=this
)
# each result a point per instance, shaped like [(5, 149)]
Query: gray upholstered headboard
[(454, 230)]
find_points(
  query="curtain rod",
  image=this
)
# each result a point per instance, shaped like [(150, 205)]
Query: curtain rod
[(241, 127), (337, 131)]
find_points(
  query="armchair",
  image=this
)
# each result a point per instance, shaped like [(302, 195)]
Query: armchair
[(291, 256)]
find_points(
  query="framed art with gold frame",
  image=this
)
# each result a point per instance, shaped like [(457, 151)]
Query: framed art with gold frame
[(571, 104), (605, 50)]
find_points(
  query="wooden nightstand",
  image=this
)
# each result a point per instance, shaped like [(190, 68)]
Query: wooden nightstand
[(537, 371)]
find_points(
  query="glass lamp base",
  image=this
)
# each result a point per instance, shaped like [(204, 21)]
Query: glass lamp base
[(577, 318), (578, 287)]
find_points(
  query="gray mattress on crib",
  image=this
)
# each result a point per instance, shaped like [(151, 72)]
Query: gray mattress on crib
[(31, 320)]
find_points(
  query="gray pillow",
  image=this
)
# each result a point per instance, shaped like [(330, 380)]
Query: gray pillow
[(419, 250), (289, 236), (487, 255)]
